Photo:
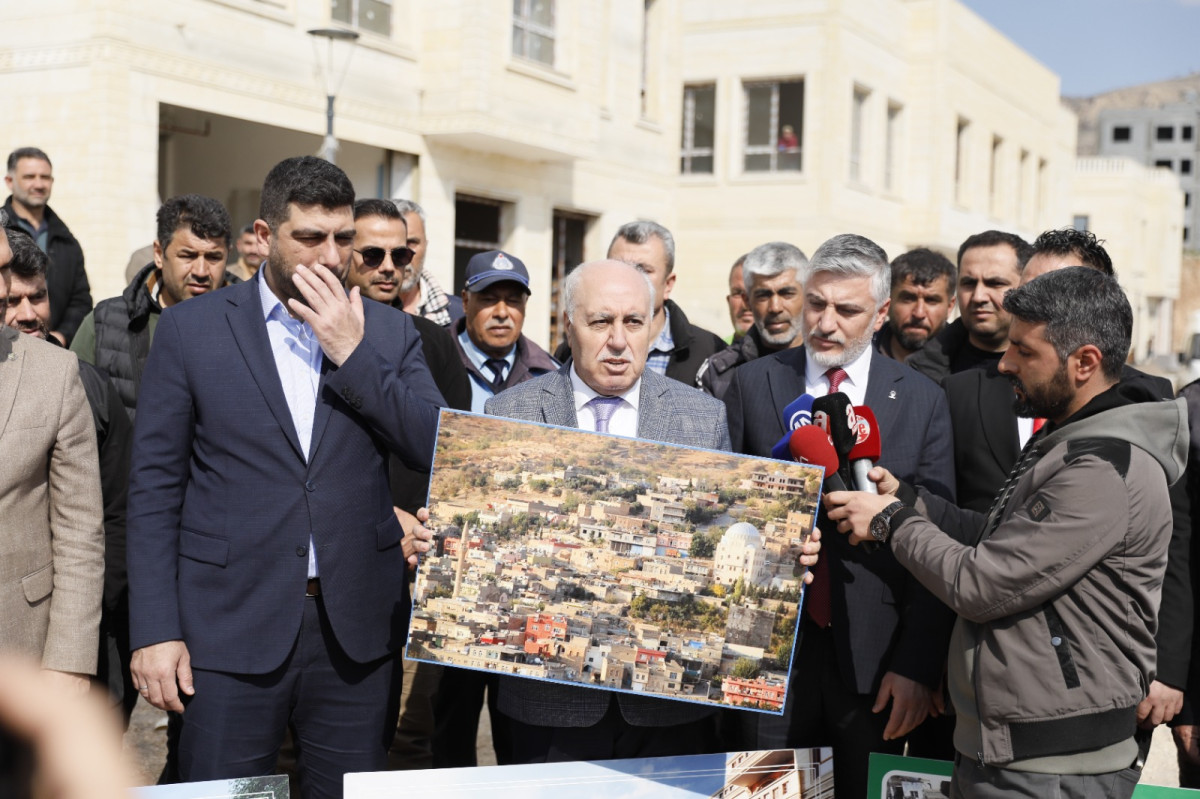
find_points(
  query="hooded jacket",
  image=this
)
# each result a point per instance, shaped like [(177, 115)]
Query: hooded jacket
[(1057, 589)]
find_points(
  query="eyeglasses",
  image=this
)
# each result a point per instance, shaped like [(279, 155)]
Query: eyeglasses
[(373, 256)]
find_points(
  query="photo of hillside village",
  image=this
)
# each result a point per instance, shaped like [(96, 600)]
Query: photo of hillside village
[(614, 563)]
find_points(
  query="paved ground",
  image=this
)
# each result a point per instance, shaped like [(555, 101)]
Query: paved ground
[(146, 747)]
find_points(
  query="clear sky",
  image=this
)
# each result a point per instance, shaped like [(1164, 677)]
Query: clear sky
[(1097, 45)]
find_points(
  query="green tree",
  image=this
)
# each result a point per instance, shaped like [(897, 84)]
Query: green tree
[(745, 669), (702, 546)]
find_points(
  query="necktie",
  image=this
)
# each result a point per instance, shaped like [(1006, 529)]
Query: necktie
[(835, 375), (497, 366), (603, 408), (819, 602)]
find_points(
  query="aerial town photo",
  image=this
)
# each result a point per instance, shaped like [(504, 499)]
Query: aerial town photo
[(612, 562)]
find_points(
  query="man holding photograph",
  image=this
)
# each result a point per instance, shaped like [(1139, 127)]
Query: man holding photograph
[(606, 387)]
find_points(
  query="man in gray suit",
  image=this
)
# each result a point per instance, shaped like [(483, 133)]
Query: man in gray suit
[(606, 387)]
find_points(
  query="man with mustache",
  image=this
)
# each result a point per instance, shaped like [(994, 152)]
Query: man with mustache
[(420, 293), (30, 178), (739, 309), (489, 337), (51, 537), (27, 309), (922, 299), (1057, 587), (608, 308), (772, 286), (190, 252), (871, 638), (989, 264)]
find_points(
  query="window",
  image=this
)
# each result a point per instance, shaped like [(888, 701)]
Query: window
[(960, 160), (369, 15), (570, 229), (1164, 133), (858, 110), (1022, 167), (1187, 234), (1187, 199), (1165, 163), (1121, 133), (890, 147), (1185, 133), (774, 123), (699, 113), (1079, 222), (1185, 166), (533, 30), (476, 230)]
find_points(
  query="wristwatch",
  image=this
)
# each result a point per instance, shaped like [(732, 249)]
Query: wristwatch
[(881, 523)]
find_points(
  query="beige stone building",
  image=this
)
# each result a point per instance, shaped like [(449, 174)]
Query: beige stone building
[(539, 126)]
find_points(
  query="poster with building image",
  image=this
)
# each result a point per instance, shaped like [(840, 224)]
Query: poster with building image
[(612, 563), (772, 774)]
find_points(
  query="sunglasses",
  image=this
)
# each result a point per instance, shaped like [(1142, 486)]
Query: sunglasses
[(373, 256)]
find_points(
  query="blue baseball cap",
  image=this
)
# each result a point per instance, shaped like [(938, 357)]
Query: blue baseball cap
[(494, 266)]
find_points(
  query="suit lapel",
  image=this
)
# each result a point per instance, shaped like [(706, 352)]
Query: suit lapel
[(654, 411), (559, 407), (322, 412), (250, 332), (885, 392), (12, 359), (997, 419), (785, 381)]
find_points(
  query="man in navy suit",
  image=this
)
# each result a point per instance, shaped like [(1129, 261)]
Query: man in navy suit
[(265, 562), (872, 636)]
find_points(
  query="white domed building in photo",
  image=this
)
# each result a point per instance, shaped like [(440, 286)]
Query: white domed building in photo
[(740, 553)]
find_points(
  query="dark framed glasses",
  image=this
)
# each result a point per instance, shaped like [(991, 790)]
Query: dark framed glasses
[(373, 256)]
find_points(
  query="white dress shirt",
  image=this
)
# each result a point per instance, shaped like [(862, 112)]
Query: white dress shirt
[(624, 421)]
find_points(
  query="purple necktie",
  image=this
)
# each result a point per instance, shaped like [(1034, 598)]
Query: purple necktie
[(603, 408)]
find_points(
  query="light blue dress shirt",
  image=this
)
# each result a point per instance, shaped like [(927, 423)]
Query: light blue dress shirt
[(481, 393), (298, 361)]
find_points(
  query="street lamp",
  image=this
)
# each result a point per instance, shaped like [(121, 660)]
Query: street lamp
[(333, 83)]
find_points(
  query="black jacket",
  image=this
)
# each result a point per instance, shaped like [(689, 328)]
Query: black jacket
[(934, 359), (123, 335), (66, 279), (693, 346), (717, 372), (410, 487)]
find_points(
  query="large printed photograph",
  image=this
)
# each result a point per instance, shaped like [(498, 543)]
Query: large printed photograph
[(612, 563)]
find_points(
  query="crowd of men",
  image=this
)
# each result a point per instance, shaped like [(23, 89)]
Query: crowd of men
[(230, 535)]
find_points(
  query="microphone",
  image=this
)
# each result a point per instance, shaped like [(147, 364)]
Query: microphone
[(810, 444), (796, 414), (835, 414), (867, 447)]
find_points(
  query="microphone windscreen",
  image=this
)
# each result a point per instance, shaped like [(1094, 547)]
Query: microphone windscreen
[(868, 443), (836, 413), (798, 412), (781, 451), (810, 444)]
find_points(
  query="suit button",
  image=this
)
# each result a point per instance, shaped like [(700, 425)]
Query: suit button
[(1056, 641), (301, 551), (346, 392), (309, 486)]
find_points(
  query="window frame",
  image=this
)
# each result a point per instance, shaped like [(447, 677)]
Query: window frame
[(355, 11), (771, 149), (687, 147), (525, 25)]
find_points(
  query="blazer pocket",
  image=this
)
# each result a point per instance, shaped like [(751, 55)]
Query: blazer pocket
[(388, 532), (204, 548), (38, 585)]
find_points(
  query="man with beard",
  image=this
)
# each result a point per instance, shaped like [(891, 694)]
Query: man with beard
[(989, 436), (871, 635), (989, 264), (246, 266), (922, 299), (1057, 587), (266, 569), (28, 310), (772, 285), (190, 252)]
